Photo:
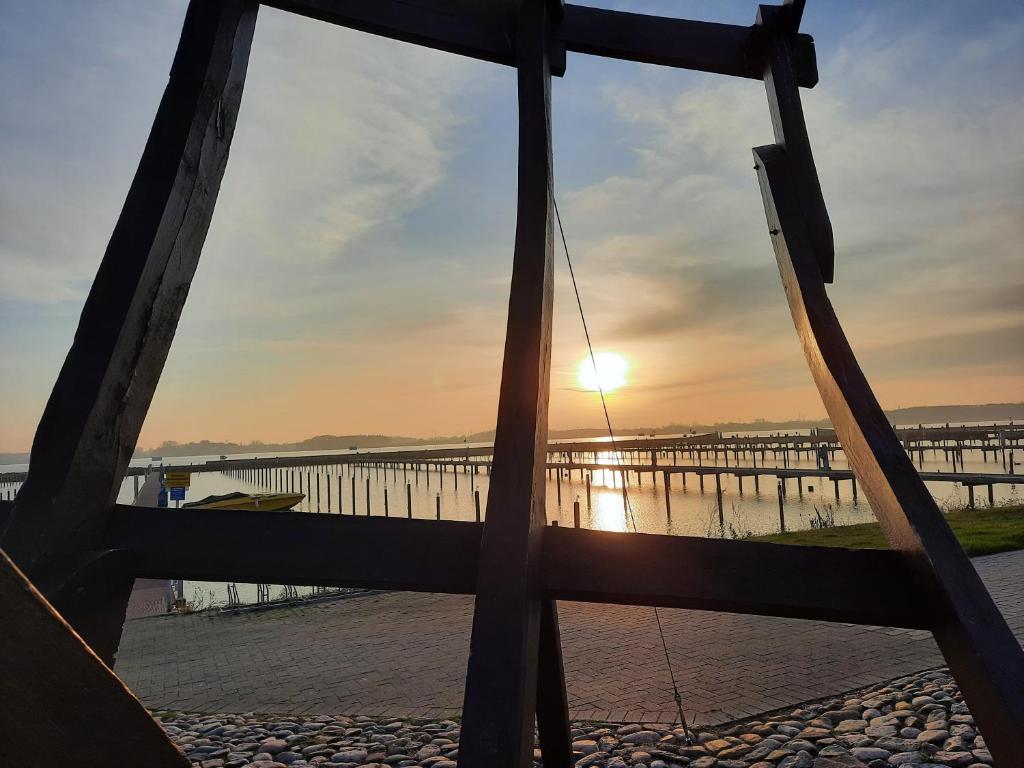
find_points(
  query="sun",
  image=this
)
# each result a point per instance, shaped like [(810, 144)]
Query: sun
[(608, 375)]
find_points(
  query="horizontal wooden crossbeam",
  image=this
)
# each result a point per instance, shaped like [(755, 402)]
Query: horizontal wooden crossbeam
[(442, 556), (299, 548), (724, 49), (820, 583), (487, 32)]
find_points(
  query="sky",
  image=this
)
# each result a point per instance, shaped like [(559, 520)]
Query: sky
[(355, 277)]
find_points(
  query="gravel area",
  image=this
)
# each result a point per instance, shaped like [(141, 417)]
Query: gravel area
[(913, 721)]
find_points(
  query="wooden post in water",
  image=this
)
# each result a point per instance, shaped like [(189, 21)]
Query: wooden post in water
[(386, 510), (853, 484), (576, 513), (437, 504), (588, 492), (782, 508), (341, 504), (668, 495), (408, 498), (476, 503), (718, 496), (317, 491), (354, 507), (367, 494)]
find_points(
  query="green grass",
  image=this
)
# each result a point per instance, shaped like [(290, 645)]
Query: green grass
[(981, 531)]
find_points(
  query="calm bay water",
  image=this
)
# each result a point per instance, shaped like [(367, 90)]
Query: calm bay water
[(693, 512)]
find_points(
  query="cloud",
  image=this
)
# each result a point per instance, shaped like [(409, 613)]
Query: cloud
[(923, 186)]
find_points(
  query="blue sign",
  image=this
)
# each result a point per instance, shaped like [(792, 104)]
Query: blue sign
[(177, 494)]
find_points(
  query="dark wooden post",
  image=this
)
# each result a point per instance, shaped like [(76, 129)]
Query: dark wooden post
[(718, 498), (552, 702), (668, 495), (502, 676), (782, 508), (982, 652), (91, 423)]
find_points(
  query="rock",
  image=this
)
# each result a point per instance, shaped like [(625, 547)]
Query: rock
[(814, 733), (866, 754), (596, 758), (717, 745), (839, 715), (356, 756), (880, 730), (837, 761), (851, 726), (801, 759), (641, 737), (955, 759), (933, 737), (273, 746), (704, 762), (734, 752), (764, 749), (905, 758)]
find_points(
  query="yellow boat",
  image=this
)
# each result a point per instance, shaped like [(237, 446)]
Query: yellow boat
[(267, 502)]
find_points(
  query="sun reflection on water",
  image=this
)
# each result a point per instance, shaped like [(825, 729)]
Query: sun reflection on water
[(609, 513)]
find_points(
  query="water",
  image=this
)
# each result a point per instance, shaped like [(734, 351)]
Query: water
[(693, 512)]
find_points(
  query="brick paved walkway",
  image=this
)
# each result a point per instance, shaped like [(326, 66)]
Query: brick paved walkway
[(405, 655)]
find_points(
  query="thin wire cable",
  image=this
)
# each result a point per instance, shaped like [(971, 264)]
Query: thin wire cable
[(611, 435)]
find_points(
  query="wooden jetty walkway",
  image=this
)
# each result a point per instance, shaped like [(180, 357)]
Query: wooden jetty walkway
[(650, 455)]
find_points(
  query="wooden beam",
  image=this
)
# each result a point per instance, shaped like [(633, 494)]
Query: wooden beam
[(677, 572), (501, 680), (480, 31), (781, 80), (982, 652), (59, 702), (724, 49), (487, 31), (553, 729), (91, 423), (733, 576), (315, 550)]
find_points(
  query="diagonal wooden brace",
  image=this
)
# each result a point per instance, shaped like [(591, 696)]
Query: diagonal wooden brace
[(779, 26), (982, 652)]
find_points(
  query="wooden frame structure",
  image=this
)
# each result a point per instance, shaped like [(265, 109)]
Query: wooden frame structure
[(81, 551)]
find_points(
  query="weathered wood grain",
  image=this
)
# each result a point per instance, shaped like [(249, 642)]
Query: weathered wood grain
[(501, 680), (982, 652), (91, 423), (781, 82)]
